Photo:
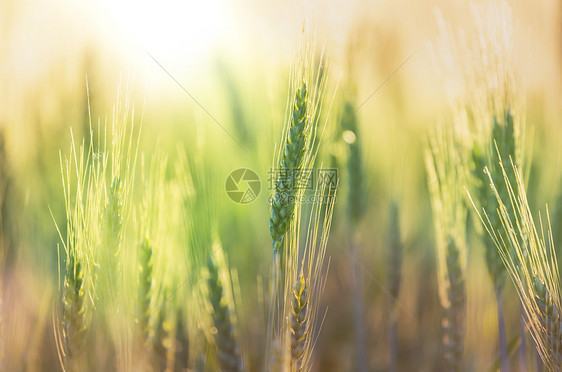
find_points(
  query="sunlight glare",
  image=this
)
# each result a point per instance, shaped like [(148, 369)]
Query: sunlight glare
[(173, 30)]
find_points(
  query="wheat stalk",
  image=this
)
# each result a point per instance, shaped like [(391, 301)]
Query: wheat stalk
[(96, 214), (305, 280), (446, 177), (287, 190), (356, 210), (393, 277), (502, 146), (277, 356), (394, 254), (70, 331), (355, 172), (487, 106), (531, 262), (294, 161)]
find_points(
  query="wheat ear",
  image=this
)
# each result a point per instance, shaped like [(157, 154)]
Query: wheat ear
[(228, 350), (356, 210), (158, 340), (299, 323), (549, 319), (453, 324), (356, 197), (503, 147), (145, 292), (181, 349), (447, 176), (286, 186), (531, 262), (74, 326), (111, 233), (295, 153)]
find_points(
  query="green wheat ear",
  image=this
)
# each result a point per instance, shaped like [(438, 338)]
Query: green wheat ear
[(145, 291), (74, 326), (228, 350), (454, 314), (286, 186), (181, 358), (483, 193), (530, 258), (158, 340), (503, 149), (112, 215), (446, 176), (549, 319), (111, 238)]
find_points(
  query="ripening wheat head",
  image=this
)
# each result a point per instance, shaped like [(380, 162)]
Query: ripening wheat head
[(292, 170), (306, 274), (151, 233), (484, 93), (154, 269), (529, 255), (297, 152), (115, 178), (228, 348), (78, 284), (69, 335), (216, 313), (97, 179), (446, 177), (299, 322)]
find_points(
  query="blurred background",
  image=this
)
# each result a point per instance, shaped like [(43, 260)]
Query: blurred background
[(195, 67)]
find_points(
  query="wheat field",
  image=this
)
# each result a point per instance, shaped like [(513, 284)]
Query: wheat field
[(280, 186)]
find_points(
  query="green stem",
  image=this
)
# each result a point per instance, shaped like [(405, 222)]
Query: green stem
[(502, 334), (360, 336)]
